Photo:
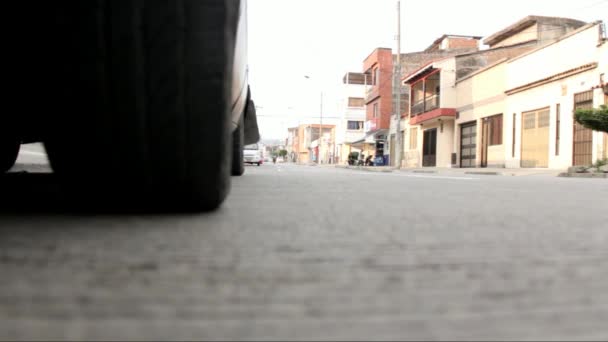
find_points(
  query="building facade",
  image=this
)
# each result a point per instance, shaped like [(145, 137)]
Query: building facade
[(544, 87), (351, 127), (305, 146), (458, 104)]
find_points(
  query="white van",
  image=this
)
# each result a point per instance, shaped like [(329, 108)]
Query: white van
[(253, 154)]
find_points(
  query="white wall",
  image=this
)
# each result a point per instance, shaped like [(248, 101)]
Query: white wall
[(569, 53), (448, 97)]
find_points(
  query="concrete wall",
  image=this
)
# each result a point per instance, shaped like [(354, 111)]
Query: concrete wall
[(461, 43), (448, 96), (549, 31), (530, 33), (496, 155), (470, 63)]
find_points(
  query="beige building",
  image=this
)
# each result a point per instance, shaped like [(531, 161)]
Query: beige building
[(304, 143), (481, 102)]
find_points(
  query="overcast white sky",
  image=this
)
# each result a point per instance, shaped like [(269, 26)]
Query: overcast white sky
[(326, 38)]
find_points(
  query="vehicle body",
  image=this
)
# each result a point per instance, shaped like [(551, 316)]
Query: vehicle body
[(152, 97), (254, 155)]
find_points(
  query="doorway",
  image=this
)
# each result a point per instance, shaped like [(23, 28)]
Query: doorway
[(468, 144), (535, 139), (429, 148)]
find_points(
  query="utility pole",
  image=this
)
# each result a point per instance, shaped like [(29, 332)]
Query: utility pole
[(398, 83)]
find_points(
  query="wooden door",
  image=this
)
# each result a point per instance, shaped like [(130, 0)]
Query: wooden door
[(535, 139), (485, 141)]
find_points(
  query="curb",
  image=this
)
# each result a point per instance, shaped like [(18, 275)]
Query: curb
[(482, 173), (584, 175), (368, 169)]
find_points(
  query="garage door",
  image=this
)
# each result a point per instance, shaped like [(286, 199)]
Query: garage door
[(535, 139), (468, 144)]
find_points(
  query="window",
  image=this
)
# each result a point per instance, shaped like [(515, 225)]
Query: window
[(413, 138), (376, 76), (557, 124), (356, 102), (376, 113), (495, 130), (513, 147), (355, 125)]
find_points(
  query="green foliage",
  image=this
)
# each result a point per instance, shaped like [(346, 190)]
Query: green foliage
[(600, 162), (283, 153), (595, 119)]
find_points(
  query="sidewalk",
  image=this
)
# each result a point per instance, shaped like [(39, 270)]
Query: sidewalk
[(461, 171), (486, 171), (367, 168)]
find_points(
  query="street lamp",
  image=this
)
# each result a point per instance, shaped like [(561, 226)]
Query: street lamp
[(320, 123)]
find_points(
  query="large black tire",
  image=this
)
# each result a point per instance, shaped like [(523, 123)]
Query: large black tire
[(147, 92), (238, 144), (9, 150)]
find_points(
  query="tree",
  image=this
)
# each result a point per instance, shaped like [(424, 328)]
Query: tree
[(283, 153), (595, 119)]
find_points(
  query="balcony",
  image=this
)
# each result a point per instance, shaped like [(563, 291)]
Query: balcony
[(371, 93), (433, 115), (426, 105)]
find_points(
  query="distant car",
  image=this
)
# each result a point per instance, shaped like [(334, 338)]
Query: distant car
[(147, 96), (253, 155)]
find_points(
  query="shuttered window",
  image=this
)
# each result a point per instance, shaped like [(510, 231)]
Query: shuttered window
[(413, 138), (356, 102), (495, 126)]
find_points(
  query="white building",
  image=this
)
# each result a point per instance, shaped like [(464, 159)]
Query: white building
[(544, 87), (350, 128)]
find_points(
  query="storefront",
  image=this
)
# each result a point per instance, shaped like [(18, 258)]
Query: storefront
[(374, 144)]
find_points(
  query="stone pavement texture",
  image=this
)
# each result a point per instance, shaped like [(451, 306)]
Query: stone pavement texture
[(304, 253)]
